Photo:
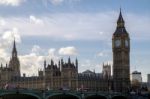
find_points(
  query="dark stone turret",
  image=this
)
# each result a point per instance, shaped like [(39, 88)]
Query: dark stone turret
[(120, 29), (14, 62)]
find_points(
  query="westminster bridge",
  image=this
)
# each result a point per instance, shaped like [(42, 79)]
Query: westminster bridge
[(40, 94)]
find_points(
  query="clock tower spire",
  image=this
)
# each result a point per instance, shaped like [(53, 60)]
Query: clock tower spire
[(121, 56)]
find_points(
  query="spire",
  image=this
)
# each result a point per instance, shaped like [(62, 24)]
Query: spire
[(1, 65), (59, 64), (14, 47), (120, 19), (44, 64), (94, 70), (6, 65), (62, 62), (120, 25), (14, 51), (69, 61), (76, 63), (52, 63)]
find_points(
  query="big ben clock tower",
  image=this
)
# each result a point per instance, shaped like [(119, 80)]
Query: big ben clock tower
[(121, 57)]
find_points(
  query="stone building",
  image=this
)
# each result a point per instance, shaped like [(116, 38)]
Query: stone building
[(148, 81), (136, 76)]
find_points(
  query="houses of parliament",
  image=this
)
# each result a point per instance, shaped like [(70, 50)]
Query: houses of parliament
[(64, 75)]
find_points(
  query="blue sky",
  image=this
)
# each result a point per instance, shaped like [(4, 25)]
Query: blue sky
[(52, 29)]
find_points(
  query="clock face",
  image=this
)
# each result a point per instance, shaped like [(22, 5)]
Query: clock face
[(126, 43), (117, 43)]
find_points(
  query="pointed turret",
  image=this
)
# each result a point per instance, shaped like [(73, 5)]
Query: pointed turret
[(120, 29), (1, 65), (62, 62), (76, 63), (69, 61), (6, 65), (94, 71), (120, 22), (14, 51), (59, 64), (44, 64), (52, 63)]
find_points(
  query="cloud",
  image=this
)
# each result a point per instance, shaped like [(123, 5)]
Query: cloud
[(35, 20), (11, 2), (104, 53), (51, 51), (3, 56), (31, 62), (101, 54), (90, 65), (2, 22), (8, 36), (68, 51), (36, 49), (58, 2)]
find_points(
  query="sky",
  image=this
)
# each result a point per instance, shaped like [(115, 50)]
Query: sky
[(55, 29)]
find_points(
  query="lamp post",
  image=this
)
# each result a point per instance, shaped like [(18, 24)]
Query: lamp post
[(43, 93), (96, 86), (82, 94)]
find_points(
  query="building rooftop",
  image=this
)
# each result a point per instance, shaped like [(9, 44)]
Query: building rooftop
[(136, 72)]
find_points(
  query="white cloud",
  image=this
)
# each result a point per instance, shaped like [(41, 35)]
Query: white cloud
[(68, 51), (31, 62), (36, 49), (58, 2), (3, 56), (101, 54), (51, 51), (10, 35), (104, 53), (2, 22), (90, 65), (35, 20), (11, 2), (7, 38)]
